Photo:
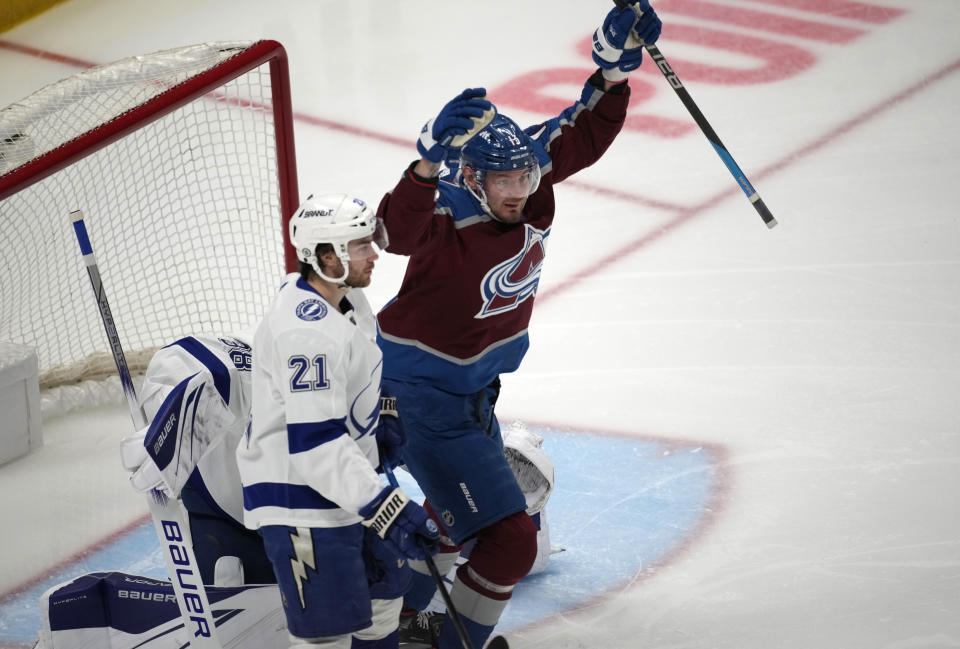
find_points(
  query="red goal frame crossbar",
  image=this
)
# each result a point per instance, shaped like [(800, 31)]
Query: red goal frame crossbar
[(260, 52)]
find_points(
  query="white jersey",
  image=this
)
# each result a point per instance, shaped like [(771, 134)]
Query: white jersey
[(224, 362), (309, 456)]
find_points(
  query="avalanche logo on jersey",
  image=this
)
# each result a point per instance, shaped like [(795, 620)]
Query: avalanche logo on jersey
[(511, 282), (311, 309)]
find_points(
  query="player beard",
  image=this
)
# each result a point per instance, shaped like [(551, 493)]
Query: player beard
[(359, 277)]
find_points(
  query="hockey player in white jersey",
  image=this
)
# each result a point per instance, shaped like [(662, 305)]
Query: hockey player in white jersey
[(337, 536), (256, 619)]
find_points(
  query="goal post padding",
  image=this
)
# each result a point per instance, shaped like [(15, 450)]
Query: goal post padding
[(183, 163)]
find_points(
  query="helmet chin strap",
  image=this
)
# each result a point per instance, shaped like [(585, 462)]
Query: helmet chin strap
[(481, 196), (339, 281)]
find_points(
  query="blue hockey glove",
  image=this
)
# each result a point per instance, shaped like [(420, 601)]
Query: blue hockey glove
[(389, 433), (618, 43), (459, 120), (648, 25), (402, 524)]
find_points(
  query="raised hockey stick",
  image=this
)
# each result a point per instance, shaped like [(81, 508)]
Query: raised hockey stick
[(167, 516), (704, 125), (437, 578)]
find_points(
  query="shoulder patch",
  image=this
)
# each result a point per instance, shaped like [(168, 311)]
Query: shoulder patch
[(311, 309)]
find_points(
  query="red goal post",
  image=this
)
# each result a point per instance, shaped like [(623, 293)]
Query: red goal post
[(183, 163)]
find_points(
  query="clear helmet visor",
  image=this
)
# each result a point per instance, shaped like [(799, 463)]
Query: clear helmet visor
[(380, 235), (518, 183), (365, 247), (362, 249)]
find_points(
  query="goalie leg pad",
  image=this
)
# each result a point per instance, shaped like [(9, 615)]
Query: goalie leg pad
[(113, 609)]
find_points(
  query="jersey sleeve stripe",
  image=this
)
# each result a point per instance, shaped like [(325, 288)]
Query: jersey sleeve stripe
[(281, 494), (305, 437)]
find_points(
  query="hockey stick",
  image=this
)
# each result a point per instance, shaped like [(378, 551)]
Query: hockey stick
[(704, 125), (166, 513), (437, 578)]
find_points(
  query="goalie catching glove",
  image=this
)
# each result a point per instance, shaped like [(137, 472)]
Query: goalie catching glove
[(530, 465), (402, 523), (164, 454)]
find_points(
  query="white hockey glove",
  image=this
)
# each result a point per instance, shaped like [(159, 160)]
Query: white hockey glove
[(531, 466), (162, 456)]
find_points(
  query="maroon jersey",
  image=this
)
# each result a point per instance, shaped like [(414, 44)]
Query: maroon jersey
[(460, 318)]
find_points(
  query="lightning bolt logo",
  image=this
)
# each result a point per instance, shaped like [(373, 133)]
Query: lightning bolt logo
[(302, 559)]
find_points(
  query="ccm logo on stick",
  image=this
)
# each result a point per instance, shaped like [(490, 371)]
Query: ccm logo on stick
[(666, 69)]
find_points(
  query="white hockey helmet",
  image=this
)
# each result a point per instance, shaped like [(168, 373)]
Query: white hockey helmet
[(336, 219)]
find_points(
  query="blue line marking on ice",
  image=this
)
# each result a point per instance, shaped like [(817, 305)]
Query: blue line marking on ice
[(619, 505)]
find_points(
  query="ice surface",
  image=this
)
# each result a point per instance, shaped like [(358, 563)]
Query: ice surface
[(815, 366)]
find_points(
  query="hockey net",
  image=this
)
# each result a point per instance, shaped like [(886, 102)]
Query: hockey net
[(183, 165)]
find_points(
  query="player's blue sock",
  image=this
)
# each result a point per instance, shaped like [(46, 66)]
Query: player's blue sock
[(420, 592), (449, 639)]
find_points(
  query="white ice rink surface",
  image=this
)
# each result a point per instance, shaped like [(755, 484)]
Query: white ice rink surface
[(821, 357)]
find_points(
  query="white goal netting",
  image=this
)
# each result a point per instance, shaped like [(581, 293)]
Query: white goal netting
[(182, 163)]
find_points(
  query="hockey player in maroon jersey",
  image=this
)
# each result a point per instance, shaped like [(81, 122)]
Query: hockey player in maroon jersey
[(476, 244)]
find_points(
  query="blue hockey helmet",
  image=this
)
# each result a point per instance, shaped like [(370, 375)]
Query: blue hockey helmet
[(501, 146)]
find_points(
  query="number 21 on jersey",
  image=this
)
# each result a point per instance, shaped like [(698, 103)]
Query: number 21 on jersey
[(308, 374)]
